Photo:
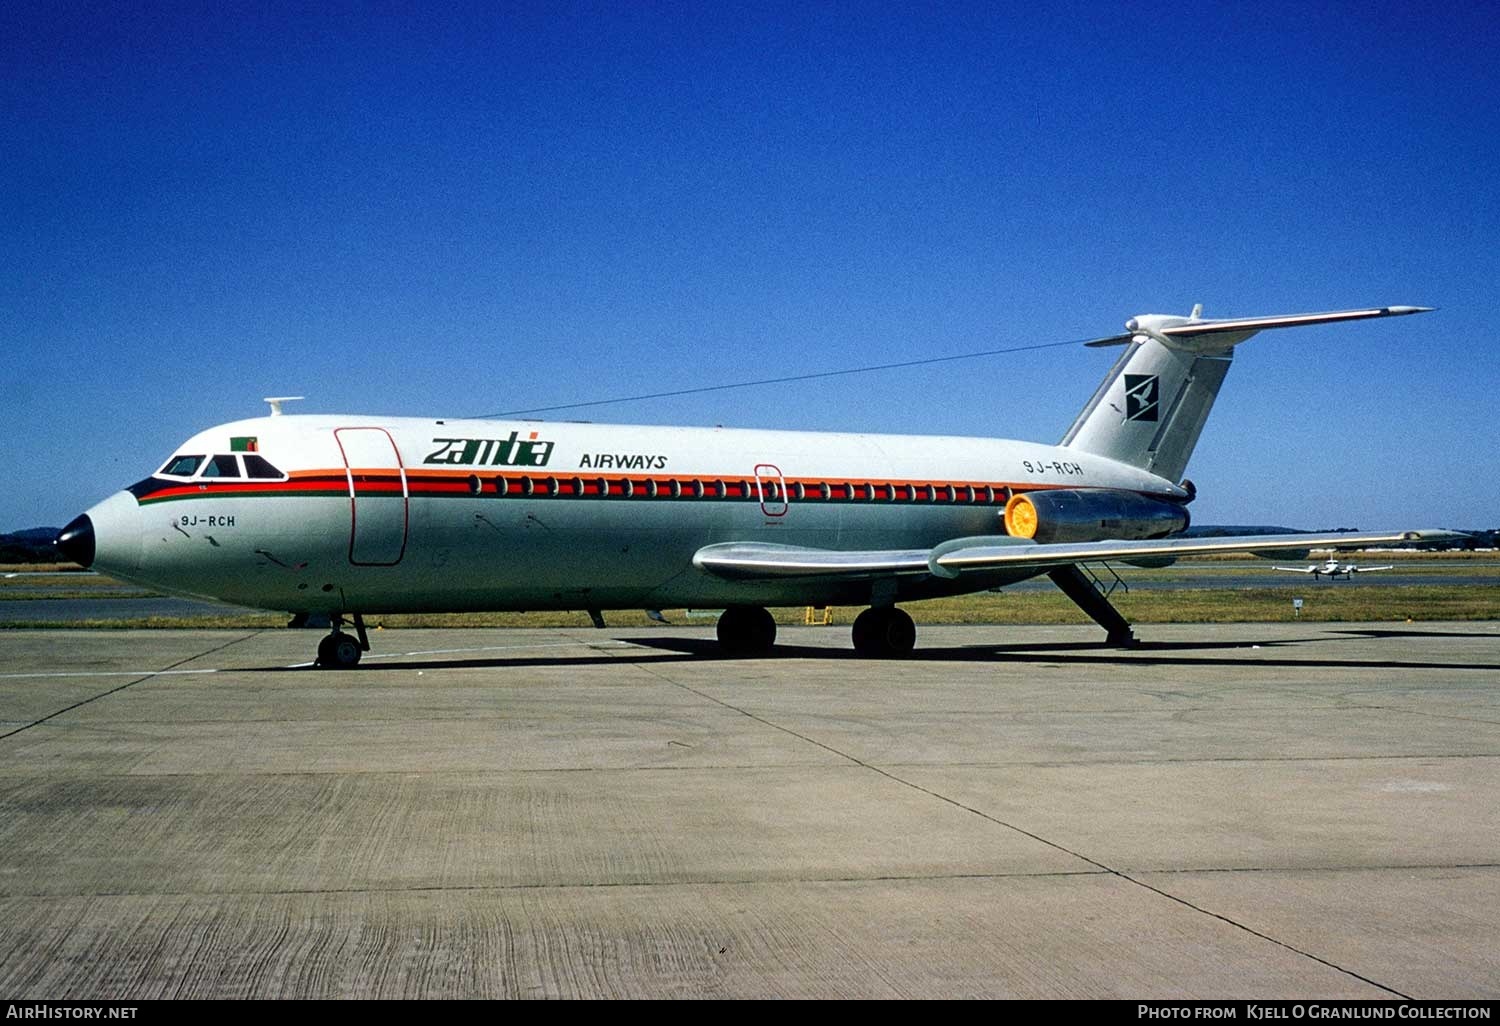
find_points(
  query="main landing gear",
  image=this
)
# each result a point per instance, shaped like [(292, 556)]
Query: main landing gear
[(884, 632), (340, 651), (746, 631)]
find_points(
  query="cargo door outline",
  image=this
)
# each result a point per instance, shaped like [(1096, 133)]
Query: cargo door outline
[(770, 489), (379, 513)]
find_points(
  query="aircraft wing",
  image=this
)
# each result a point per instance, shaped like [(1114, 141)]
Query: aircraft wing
[(1298, 569), (747, 561), (1369, 569), (762, 561)]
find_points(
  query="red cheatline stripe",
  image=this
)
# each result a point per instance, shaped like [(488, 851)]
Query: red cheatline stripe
[(386, 482)]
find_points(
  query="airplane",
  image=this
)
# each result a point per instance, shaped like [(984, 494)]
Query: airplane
[(1333, 569), (339, 516)]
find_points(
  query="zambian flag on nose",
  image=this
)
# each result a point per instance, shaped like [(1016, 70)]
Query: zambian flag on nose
[(247, 443)]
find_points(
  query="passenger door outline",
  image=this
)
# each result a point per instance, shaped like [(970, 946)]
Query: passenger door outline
[(379, 519), (770, 489)]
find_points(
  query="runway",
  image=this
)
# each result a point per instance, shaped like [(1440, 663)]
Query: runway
[(1232, 811)]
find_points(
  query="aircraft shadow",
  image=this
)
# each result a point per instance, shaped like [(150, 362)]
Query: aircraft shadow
[(496, 662), (1137, 658), (668, 650), (1147, 653), (1371, 632)]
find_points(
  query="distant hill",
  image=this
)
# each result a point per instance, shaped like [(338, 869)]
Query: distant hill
[(33, 545), (1478, 539), (1230, 530)]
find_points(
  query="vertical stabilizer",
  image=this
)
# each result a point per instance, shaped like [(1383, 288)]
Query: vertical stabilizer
[(1151, 408)]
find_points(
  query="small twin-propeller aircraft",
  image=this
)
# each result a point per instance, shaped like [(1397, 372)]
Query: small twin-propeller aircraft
[(339, 516), (1333, 569)]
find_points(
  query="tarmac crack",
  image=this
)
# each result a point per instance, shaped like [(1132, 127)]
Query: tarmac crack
[(1211, 760), (565, 885), (746, 881), (1123, 875), (130, 684), (1392, 867), (1422, 712), (1344, 702), (1056, 845)]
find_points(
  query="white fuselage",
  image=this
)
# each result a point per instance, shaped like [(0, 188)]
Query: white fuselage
[(402, 514)]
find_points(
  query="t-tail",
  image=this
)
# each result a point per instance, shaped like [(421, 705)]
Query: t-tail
[(1152, 406)]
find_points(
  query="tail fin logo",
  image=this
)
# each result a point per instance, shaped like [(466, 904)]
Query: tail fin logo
[(1141, 392)]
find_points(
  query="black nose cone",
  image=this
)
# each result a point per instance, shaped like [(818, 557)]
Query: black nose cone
[(76, 541)]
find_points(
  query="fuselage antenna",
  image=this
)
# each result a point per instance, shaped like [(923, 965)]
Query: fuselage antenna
[(277, 400)]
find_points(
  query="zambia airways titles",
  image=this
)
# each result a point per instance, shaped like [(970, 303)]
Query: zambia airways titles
[(531, 451)]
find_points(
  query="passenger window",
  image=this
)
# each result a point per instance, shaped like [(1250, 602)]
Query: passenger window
[(222, 466), (258, 468), (182, 466)]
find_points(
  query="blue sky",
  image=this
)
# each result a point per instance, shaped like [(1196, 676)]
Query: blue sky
[(470, 209)]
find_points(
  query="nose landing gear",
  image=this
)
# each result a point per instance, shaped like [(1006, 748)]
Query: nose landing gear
[(340, 651)]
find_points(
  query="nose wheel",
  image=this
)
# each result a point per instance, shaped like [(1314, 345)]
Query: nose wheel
[(340, 651)]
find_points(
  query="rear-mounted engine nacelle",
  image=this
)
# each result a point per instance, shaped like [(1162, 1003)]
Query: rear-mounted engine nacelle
[(1073, 515)]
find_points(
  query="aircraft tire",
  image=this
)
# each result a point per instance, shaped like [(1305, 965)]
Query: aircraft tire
[(746, 631), (338, 651), (884, 633)]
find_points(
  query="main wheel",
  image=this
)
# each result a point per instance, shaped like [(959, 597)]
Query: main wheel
[(746, 631), (339, 651), (884, 632)]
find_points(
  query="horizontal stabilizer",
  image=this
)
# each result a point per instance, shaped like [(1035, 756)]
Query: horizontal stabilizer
[(1167, 329), (1150, 409)]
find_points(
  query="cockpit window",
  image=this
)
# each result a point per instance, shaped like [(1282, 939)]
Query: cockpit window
[(182, 466), (259, 467), (222, 466)]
